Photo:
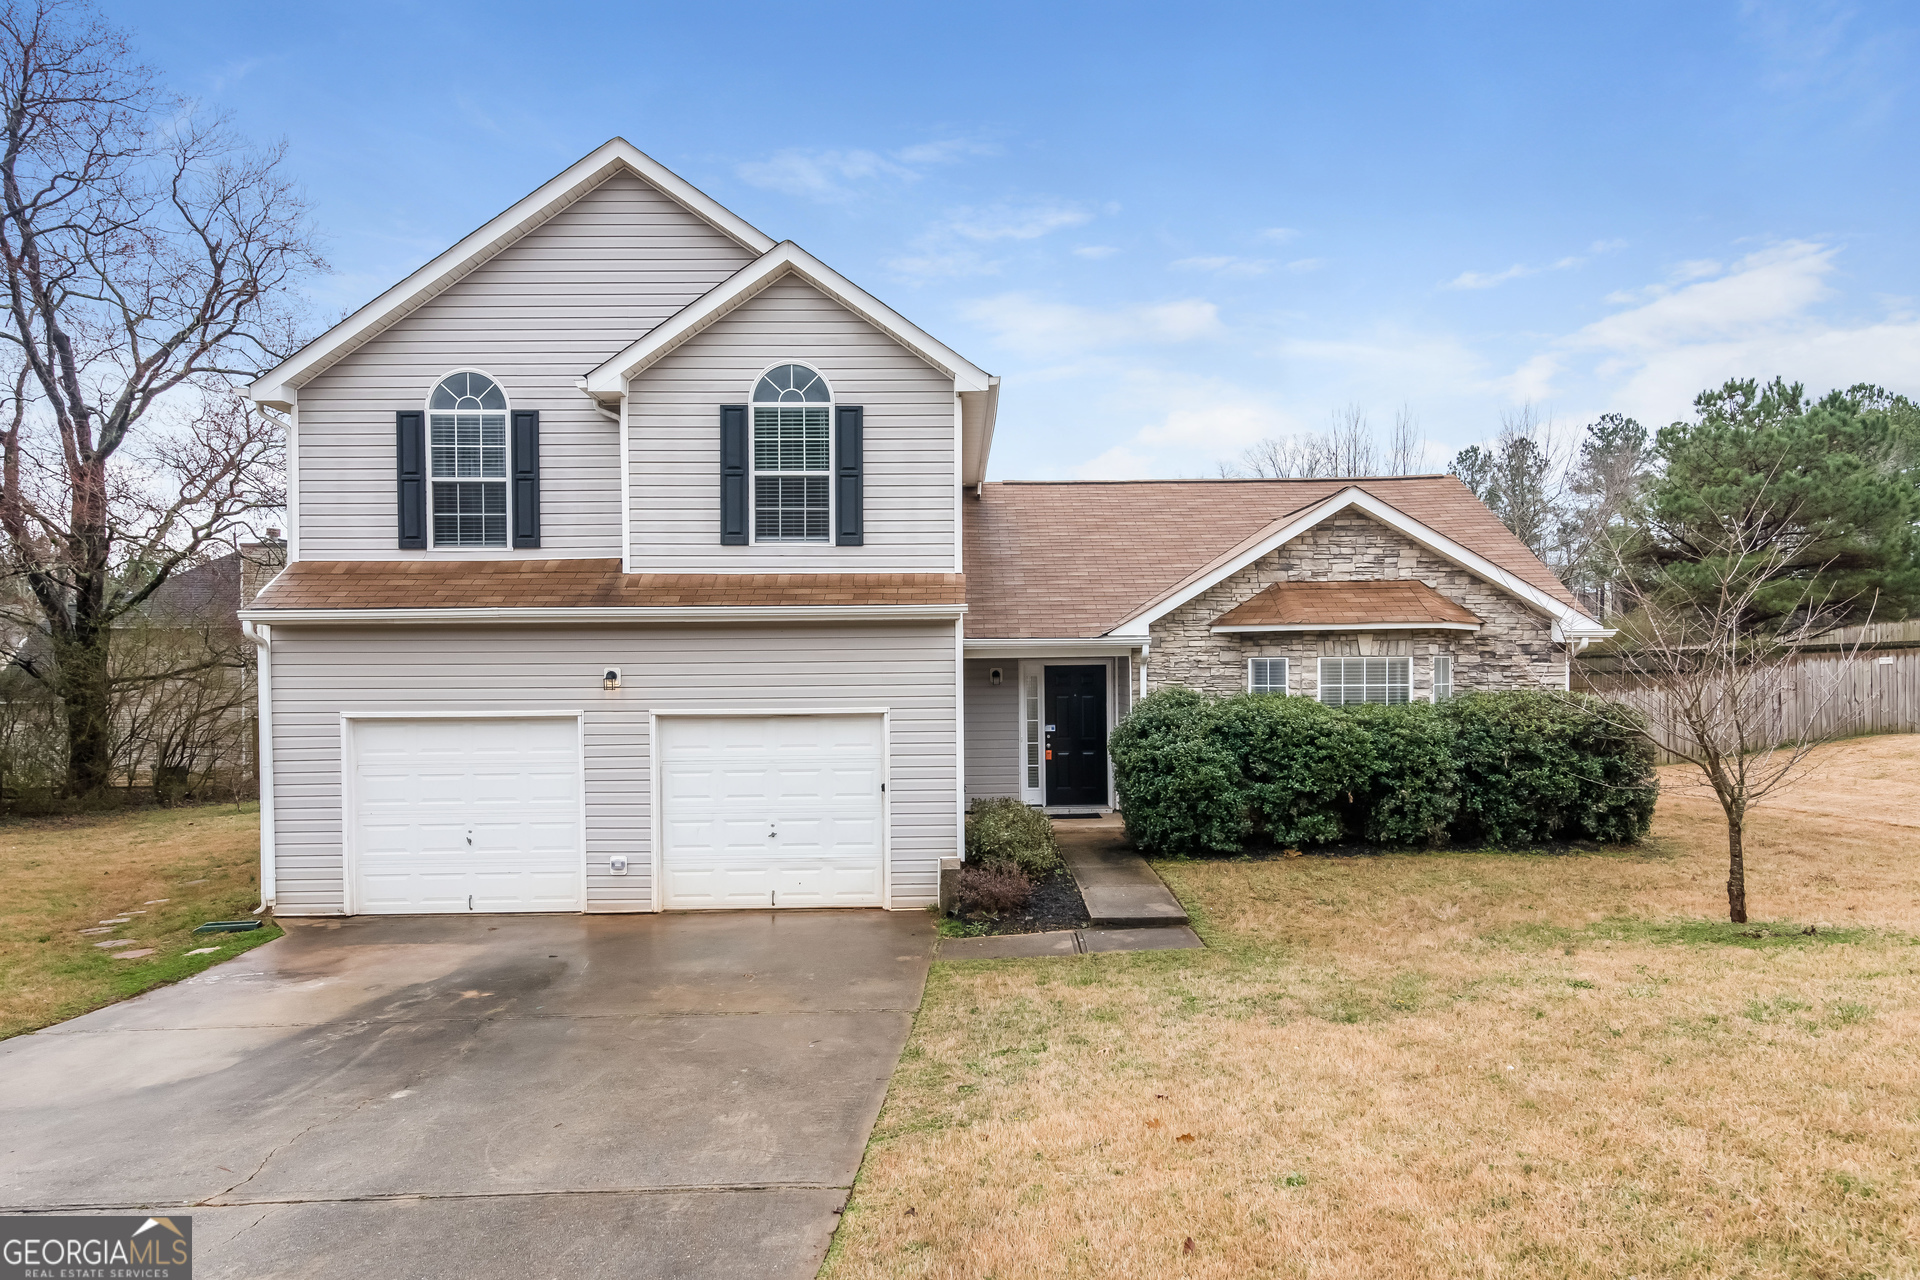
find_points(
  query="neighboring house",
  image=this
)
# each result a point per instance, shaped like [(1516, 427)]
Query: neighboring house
[(639, 562)]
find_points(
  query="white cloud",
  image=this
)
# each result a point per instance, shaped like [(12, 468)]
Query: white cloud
[(823, 175), (1487, 279), (1756, 318), (1007, 222), (1238, 268), (1117, 463), (1300, 266), (1279, 235), (1095, 251), (1024, 322), (947, 151), (943, 265), (1519, 270), (827, 174)]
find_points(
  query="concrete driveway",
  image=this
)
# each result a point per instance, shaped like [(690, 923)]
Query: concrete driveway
[(681, 1095)]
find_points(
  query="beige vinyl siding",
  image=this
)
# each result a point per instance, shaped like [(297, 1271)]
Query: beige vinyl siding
[(674, 428), (320, 672), (536, 317), (993, 728)]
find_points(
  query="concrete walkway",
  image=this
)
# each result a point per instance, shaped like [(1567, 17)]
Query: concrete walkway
[(680, 1096), (1120, 889), (1129, 907)]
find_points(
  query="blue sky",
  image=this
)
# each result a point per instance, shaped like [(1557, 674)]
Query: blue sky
[(1174, 229)]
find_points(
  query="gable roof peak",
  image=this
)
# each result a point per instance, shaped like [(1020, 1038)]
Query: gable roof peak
[(278, 387)]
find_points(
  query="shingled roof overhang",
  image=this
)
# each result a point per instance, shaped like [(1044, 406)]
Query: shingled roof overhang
[(1347, 606), (593, 590)]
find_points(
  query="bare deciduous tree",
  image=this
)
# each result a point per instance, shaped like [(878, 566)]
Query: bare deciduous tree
[(1719, 691), (150, 260), (1346, 448)]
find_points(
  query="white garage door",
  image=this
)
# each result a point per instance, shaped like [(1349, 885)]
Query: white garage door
[(466, 815), (771, 811)]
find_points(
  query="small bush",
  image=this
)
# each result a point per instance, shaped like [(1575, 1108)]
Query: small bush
[(1007, 832), (1201, 775), (990, 888)]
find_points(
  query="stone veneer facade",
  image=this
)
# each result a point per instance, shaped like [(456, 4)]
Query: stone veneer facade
[(1514, 648)]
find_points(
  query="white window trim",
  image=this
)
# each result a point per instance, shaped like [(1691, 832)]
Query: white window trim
[(1433, 682), (1286, 673), (1320, 673), (506, 481), (753, 469)]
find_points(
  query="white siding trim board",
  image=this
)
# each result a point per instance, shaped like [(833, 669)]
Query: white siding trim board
[(633, 614)]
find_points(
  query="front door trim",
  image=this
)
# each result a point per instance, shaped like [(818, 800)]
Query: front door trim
[(1120, 674), (657, 827)]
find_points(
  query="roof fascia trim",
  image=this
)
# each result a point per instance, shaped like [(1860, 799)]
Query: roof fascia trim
[(1349, 626), (1063, 647), (278, 387), (609, 380), (1565, 617), (622, 613)]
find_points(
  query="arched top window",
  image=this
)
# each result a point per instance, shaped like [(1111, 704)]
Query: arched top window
[(792, 455), (468, 390), (467, 450), (791, 384)]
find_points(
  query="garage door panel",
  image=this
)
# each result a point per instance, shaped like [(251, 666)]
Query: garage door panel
[(771, 811), (458, 815)]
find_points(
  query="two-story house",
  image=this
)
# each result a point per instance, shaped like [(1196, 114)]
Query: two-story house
[(638, 562)]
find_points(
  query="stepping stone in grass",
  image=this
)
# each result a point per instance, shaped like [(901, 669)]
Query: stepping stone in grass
[(156, 901), (195, 882), (117, 942), (132, 955), (105, 928), (203, 951), (116, 920)]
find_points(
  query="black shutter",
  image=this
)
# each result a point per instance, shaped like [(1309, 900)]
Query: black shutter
[(410, 455), (526, 477), (848, 469), (733, 475)]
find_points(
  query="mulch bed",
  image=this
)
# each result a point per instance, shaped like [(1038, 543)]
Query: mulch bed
[(1056, 904)]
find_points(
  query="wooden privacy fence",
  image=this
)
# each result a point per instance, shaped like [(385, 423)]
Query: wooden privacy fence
[(1825, 693)]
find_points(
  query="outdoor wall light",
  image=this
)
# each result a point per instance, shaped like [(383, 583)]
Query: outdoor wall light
[(611, 679), (993, 676)]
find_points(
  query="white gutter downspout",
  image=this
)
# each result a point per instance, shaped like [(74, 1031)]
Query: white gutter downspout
[(263, 637)]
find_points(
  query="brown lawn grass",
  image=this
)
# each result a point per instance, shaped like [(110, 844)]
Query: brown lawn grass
[(1444, 1065), (61, 875)]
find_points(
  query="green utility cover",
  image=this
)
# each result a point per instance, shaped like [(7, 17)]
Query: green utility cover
[(228, 926)]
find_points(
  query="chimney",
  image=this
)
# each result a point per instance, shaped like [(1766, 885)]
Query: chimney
[(259, 563)]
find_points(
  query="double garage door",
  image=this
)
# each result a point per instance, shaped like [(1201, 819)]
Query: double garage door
[(478, 815)]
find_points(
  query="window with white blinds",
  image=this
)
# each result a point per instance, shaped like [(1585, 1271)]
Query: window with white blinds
[(1442, 676), (1349, 680), (467, 448), (792, 456), (1266, 675)]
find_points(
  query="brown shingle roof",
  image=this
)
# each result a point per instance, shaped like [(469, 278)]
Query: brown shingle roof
[(1079, 558), (560, 584), (1345, 604)]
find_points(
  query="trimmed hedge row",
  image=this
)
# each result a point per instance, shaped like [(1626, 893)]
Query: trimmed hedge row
[(1199, 774)]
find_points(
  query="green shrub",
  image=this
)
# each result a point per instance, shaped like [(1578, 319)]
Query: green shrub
[(1179, 783), (1200, 775), (1411, 793), (1300, 762), (1005, 832), (1542, 766)]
